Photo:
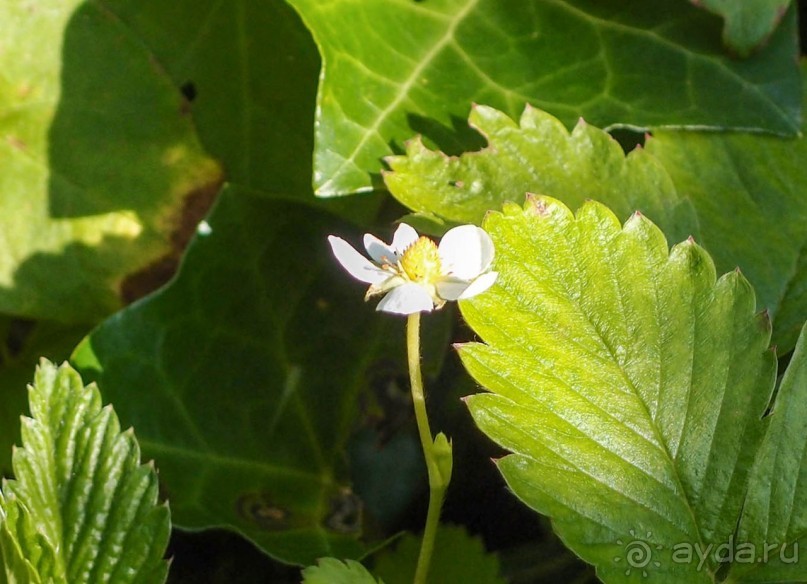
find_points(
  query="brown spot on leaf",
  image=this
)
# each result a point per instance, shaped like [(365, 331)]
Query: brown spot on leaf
[(15, 142), (257, 508), (195, 206)]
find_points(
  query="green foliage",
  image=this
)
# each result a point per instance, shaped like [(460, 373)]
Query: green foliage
[(257, 404), (684, 181), (633, 407), (82, 508), (458, 557), (748, 22), (639, 63), (248, 374), (761, 180), (332, 571), (775, 510), (536, 155), (91, 193)]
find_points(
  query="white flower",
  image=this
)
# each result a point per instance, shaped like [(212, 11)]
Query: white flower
[(415, 273)]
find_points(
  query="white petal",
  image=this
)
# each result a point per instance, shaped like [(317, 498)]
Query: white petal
[(465, 252), (356, 264), (379, 251), (404, 236), (451, 288), (407, 299), (479, 285)]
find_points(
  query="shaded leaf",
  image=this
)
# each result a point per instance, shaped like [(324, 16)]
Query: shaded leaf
[(458, 557), (628, 383), (748, 22), (639, 63), (82, 508), (242, 378), (248, 70), (749, 195), (536, 155), (333, 571), (97, 162), (775, 514)]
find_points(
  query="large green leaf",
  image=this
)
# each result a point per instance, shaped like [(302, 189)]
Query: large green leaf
[(97, 158), (82, 508), (683, 181), (748, 22), (627, 382), (407, 67), (762, 180), (536, 155), (242, 378), (250, 68), (775, 513)]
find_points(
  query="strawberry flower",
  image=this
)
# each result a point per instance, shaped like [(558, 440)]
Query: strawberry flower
[(414, 273)]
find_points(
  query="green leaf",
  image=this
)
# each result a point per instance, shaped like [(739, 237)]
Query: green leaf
[(536, 155), (242, 378), (775, 513), (96, 162), (22, 345), (762, 180), (458, 557), (82, 508), (251, 69), (627, 382), (748, 22), (333, 571), (411, 67)]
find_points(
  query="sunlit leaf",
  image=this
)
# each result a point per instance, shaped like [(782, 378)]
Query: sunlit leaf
[(411, 67), (627, 381), (333, 571), (82, 508), (97, 160), (536, 155)]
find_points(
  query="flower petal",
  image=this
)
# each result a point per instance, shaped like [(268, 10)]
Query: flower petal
[(407, 299), (356, 264), (379, 251), (465, 252), (479, 285), (404, 236), (451, 288)]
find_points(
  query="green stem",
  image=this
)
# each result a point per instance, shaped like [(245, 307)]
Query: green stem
[(437, 482)]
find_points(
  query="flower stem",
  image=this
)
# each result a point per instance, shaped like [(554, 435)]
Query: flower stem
[(439, 470)]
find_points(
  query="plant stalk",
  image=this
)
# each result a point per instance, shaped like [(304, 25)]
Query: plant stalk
[(437, 481)]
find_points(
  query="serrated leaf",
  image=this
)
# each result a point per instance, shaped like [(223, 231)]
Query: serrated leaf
[(24, 343), (761, 180), (458, 557), (82, 508), (242, 378), (333, 571), (774, 518), (536, 155), (412, 67), (97, 161), (748, 22), (627, 382)]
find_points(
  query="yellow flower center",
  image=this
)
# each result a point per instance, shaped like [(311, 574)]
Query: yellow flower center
[(421, 262)]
